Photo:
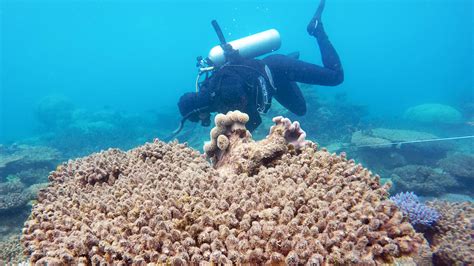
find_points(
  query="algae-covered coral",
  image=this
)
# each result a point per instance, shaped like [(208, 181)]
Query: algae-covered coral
[(278, 200)]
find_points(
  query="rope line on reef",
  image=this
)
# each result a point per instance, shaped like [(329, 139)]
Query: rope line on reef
[(415, 141)]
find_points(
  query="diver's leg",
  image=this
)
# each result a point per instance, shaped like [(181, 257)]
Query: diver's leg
[(289, 95), (330, 74), (329, 54)]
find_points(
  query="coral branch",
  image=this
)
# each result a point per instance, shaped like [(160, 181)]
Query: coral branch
[(293, 133)]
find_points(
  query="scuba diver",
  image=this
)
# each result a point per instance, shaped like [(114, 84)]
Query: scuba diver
[(248, 84)]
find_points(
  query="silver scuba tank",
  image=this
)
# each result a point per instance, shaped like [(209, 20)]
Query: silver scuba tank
[(248, 47)]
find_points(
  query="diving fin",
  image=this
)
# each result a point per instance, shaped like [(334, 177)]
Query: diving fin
[(316, 20)]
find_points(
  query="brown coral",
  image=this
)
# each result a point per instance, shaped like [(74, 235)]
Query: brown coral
[(261, 202), (242, 154), (452, 241)]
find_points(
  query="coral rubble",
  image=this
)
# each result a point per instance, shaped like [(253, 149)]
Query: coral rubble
[(278, 200)]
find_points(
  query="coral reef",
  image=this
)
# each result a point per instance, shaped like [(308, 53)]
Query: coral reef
[(14, 208), (397, 135), (11, 251), (231, 128), (417, 212), (8, 159), (380, 138), (335, 118), (33, 190), (294, 135), (422, 180), (10, 230), (21, 167), (32, 176), (76, 132), (20, 158), (451, 239), (12, 196), (278, 200), (433, 113), (54, 112), (363, 139), (228, 126), (374, 148), (332, 116), (460, 166)]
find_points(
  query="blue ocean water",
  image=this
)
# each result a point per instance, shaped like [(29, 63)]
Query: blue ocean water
[(140, 55)]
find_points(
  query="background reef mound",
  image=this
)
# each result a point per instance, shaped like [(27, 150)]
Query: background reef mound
[(279, 200), (423, 180), (431, 113)]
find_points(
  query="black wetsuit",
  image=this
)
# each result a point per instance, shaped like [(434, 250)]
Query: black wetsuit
[(232, 91)]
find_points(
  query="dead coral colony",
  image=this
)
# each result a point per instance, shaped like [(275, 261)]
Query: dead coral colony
[(279, 200)]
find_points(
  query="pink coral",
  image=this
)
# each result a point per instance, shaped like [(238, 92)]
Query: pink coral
[(278, 200)]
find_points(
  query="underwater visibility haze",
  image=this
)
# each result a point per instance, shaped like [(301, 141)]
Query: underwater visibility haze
[(389, 148)]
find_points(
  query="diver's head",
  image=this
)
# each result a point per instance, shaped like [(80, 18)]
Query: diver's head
[(195, 107)]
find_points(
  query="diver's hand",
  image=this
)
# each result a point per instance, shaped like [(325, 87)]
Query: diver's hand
[(316, 20)]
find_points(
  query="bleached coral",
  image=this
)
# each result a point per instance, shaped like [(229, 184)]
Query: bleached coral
[(260, 202)]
